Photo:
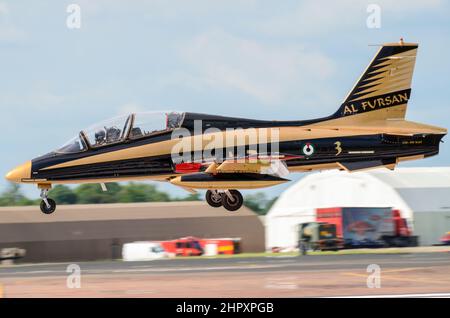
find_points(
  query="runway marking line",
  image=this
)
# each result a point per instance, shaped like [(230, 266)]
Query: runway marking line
[(399, 278), (401, 270), (186, 269)]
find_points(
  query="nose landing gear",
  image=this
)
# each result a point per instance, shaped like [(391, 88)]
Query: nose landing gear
[(231, 200), (48, 206)]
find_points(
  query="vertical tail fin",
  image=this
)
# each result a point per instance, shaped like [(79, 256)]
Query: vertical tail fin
[(383, 90)]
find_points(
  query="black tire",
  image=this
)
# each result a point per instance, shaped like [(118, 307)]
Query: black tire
[(48, 210), (214, 200), (232, 204)]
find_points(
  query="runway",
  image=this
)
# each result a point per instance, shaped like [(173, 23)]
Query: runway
[(423, 275)]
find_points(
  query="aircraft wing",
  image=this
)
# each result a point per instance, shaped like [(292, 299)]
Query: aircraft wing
[(235, 173)]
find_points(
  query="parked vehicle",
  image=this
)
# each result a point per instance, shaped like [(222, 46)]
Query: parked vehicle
[(186, 246), (221, 246), (368, 227), (143, 251), (318, 236), (445, 240), (193, 246)]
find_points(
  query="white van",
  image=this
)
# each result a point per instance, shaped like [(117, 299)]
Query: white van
[(143, 251)]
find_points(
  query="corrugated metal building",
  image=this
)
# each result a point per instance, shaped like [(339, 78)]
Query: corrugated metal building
[(93, 232), (421, 194)]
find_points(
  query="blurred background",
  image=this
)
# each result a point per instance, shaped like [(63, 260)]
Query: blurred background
[(259, 59)]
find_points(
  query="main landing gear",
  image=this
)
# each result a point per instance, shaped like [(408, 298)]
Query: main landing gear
[(231, 200), (48, 206)]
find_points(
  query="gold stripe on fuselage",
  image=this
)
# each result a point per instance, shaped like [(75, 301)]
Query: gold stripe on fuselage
[(166, 177), (201, 142)]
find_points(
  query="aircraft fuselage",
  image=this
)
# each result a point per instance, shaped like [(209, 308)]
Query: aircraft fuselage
[(339, 152)]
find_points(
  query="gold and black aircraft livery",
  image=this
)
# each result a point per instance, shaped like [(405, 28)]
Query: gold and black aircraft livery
[(368, 130)]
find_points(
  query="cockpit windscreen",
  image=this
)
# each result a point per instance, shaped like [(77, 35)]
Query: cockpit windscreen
[(149, 123), (108, 132), (119, 129), (74, 145)]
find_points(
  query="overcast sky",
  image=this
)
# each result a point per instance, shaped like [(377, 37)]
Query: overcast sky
[(248, 58)]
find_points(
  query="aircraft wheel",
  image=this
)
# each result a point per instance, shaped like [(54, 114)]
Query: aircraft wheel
[(214, 198), (48, 209), (233, 203)]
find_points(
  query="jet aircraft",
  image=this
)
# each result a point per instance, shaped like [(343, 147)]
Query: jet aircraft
[(368, 130)]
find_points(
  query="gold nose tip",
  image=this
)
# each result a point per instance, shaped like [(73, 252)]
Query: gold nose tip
[(19, 173)]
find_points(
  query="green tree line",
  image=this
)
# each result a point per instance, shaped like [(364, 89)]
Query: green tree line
[(117, 193)]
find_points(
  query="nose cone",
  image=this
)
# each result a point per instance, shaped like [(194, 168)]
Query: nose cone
[(19, 173)]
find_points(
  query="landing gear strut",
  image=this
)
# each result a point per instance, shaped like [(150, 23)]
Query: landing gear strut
[(48, 206)]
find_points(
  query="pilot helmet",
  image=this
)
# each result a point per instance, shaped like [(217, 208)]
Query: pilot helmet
[(100, 136)]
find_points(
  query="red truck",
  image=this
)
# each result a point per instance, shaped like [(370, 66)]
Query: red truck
[(368, 227), (192, 246), (186, 246)]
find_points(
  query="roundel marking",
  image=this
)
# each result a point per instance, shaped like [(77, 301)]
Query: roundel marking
[(308, 149)]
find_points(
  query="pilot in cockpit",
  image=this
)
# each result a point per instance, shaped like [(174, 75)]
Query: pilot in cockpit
[(107, 135), (100, 137), (112, 134), (173, 120)]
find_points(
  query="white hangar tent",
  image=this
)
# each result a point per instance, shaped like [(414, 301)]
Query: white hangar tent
[(421, 194)]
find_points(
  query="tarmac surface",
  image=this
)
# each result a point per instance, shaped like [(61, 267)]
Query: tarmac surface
[(401, 275)]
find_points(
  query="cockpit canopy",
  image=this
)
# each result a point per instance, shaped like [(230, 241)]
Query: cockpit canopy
[(118, 129)]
